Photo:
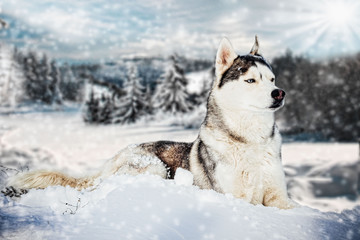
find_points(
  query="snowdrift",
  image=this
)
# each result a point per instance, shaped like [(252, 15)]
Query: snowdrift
[(148, 207)]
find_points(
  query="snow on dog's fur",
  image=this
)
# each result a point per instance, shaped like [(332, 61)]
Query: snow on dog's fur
[(238, 147)]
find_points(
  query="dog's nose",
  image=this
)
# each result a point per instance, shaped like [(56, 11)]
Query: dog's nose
[(278, 94)]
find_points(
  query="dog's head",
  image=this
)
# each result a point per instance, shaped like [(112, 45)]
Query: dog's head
[(245, 82)]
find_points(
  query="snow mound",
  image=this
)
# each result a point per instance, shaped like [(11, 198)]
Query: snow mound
[(183, 177), (148, 207)]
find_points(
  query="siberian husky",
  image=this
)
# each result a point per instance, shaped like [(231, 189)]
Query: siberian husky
[(238, 147)]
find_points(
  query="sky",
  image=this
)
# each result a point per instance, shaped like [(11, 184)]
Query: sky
[(108, 30)]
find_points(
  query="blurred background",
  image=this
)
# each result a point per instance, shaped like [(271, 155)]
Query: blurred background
[(80, 67)]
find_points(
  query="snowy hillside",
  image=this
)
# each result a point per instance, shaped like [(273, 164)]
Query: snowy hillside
[(322, 176)]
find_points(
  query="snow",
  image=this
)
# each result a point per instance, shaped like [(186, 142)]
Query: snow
[(148, 207), (183, 177), (75, 145), (323, 175)]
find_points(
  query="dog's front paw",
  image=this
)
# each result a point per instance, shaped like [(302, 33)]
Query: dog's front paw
[(287, 205), (281, 202), (13, 192), (293, 204)]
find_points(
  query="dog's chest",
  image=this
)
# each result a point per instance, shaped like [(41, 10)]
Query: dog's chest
[(244, 170)]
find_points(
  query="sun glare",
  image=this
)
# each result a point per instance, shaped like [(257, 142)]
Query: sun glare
[(326, 28), (338, 13)]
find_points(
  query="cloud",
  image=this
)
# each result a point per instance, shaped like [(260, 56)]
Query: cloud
[(65, 24), (108, 29)]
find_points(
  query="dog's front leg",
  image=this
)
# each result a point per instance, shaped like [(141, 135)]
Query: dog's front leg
[(246, 187), (275, 192), (275, 197)]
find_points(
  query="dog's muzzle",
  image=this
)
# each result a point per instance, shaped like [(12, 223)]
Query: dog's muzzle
[(278, 95)]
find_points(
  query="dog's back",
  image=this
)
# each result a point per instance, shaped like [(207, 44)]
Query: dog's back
[(173, 154)]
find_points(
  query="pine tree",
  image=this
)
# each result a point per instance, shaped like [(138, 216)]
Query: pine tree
[(43, 80), (69, 86), (49, 79), (29, 63), (130, 107), (171, 94), (54, 84), (149, 105), (18, 79), (11, 77), (35, 84), (106, 108), (91, 109)]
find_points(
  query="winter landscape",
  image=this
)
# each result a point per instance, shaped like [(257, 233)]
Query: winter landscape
[(81, 81)]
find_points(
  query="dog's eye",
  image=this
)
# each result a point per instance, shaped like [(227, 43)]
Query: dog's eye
[(272, 80), (250, 80)]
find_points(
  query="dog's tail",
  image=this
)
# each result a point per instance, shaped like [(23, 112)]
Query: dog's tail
[(43, 179)]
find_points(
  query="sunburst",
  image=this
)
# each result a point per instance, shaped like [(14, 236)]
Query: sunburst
[(339, 13), (330, 28)]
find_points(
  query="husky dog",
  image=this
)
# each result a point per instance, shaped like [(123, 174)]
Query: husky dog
[(237, 150)]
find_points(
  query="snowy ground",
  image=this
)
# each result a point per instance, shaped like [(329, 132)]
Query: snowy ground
[(322, 176)]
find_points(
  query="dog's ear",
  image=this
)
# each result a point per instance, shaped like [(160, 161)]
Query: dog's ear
[(254, 50), (224, 57)]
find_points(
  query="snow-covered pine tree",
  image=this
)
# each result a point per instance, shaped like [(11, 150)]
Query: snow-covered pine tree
[(33, 85), (130, 107), (70, 86), (91, 109), (41, 79), (44, 80), (106, 108), (18, 79), (149, 105), (49, 81), (11, 77), (54, 84), (29, 75), (171, 94)]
